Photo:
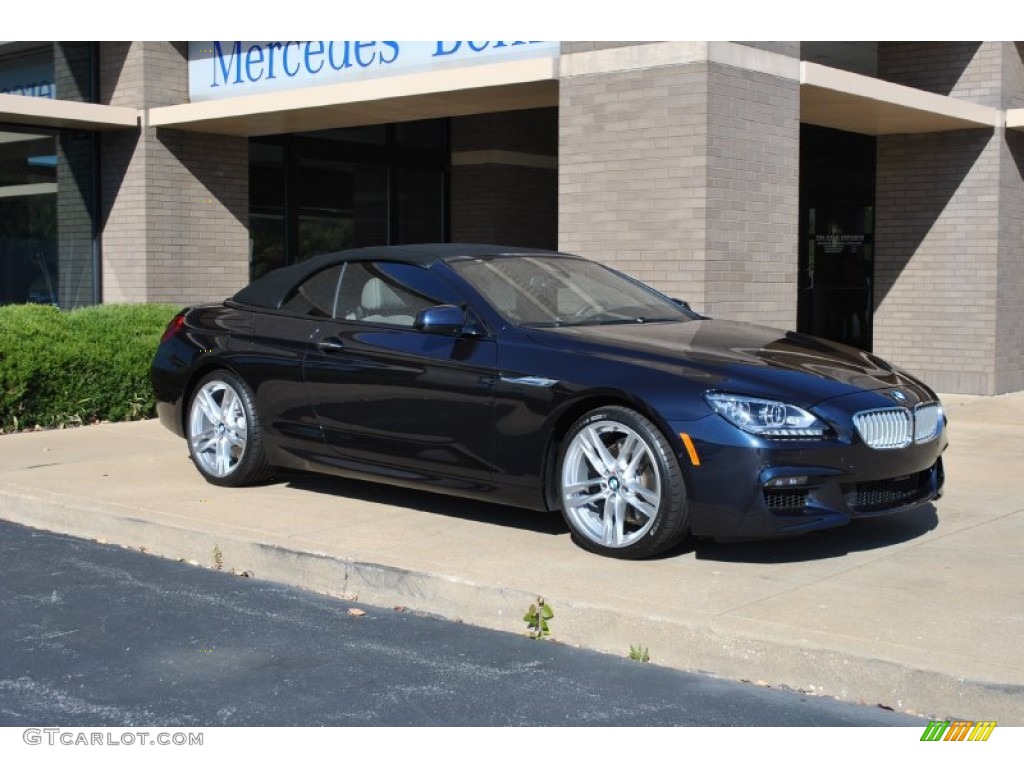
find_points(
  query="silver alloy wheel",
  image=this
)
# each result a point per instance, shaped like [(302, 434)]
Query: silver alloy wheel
[(611, 485), (217, 428)]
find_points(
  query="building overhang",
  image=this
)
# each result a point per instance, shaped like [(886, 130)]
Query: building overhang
[(834, 98), (1015, 119), (467, 90), (56, 113)]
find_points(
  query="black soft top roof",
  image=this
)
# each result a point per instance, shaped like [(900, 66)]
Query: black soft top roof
[(274, 287)]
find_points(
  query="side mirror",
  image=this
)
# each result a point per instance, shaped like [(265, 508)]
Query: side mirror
[(445, 319), (686, 305)]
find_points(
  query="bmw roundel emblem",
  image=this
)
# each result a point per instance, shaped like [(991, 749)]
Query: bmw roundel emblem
[(898, 396)]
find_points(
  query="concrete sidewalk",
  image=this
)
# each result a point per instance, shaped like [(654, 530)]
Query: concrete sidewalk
[(923, 613)]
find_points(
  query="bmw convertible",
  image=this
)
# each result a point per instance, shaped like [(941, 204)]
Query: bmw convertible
[(549, 382)]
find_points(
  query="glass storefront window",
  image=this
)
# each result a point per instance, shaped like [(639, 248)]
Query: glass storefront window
[(26, 69), (46, 225), (341, 205), (48, 201), (28, 218), (324, 191), (266, 208), (420, 206)]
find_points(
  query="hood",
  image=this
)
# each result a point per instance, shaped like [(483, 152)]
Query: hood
[(741, 357)]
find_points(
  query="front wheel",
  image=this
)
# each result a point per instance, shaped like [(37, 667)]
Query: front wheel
[(621, 489), (223, 431)]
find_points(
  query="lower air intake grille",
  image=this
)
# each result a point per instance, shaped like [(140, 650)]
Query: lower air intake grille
[(885, 494), (785, 501)]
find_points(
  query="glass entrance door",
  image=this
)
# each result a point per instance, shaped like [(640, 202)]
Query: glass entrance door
[(837, 229), (836, 269)]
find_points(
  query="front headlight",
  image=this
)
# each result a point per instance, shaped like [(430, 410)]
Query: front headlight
[(766, 418)]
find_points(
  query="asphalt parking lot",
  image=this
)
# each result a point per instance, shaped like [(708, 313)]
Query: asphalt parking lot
[(921, 613)]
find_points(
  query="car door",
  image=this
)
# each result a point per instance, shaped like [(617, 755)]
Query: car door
[(272, 363), (396, 401)]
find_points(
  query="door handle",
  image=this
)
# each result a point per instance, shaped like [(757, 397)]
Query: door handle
[(330, 345)]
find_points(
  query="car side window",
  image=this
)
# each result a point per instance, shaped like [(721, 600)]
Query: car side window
[(317, 295), (390, 293)]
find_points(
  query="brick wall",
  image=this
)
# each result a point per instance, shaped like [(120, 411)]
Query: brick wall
[(753, 197), (1009, 363), (175, 216), (949, 263), (964, 70), (632, 170), (1013, 74), (75, 192), (937, 251), (504, 178), (198, 214), (123, 226), (785, 47), (686, 177)]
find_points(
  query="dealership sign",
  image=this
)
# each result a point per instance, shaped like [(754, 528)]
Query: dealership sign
[(225, 68)]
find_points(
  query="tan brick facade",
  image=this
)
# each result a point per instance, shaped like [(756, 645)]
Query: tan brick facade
[(686, 176), (676, 162), (504, 178), (175, 215), (949, 269)]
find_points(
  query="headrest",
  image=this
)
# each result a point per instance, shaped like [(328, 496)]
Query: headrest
[(378, 296)]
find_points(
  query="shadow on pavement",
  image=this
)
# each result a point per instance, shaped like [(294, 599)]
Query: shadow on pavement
[(434, 503), (859, 536)]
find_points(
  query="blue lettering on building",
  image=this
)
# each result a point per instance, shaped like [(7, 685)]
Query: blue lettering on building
[(225, 66), (287, 47), (448, 47), (254, 58), (265, 62), (230, 64), (314, 54)]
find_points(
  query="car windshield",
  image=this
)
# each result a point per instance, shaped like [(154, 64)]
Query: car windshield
[(550, 291)]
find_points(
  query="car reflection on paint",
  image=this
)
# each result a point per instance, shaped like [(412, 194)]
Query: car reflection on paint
[(549, 382)]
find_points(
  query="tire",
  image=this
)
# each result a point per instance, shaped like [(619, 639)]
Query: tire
[(223, 431), (620, 486)]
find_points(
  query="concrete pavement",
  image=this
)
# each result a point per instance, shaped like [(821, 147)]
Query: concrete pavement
[(922, 613)]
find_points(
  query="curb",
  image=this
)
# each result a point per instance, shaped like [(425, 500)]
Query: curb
[(730, 649)]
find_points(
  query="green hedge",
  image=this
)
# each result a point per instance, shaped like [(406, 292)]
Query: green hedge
[(62, 368)]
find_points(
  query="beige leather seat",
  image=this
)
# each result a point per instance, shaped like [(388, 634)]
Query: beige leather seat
[(380, 304)]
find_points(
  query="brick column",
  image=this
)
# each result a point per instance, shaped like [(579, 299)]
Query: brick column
[(75, 181), (949, 264), (504, 178), (175, 204), (678, 163)]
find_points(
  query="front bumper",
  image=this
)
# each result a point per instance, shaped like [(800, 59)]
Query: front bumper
[(748, 487)]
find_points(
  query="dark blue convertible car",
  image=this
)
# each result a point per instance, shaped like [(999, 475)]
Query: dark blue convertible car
[(550, 382)]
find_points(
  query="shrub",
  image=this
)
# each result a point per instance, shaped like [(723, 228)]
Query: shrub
[(63, 368)]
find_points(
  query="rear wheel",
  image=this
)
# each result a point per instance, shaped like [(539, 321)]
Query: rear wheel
[(621, 489), (223, 431)]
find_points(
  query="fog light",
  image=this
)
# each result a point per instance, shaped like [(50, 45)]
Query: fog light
[(787, 482)]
